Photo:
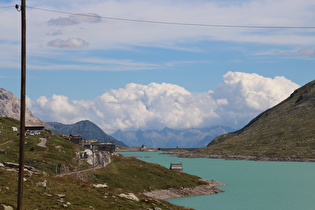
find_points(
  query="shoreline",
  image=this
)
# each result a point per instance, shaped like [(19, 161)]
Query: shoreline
[(206, 189), (239, 157), (136, 149)]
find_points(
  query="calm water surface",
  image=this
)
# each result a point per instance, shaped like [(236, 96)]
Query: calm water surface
[(249, 184)]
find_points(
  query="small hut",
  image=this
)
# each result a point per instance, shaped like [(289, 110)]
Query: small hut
[(176, 166), (76, 138)]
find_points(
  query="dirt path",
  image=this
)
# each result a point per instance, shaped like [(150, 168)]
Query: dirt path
[(42, 142), (7, 142), (83, 170)]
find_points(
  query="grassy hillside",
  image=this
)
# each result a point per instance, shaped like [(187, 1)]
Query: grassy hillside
[(70, 191), (58, 151), (123, 175), (142, 176), (284, 131)]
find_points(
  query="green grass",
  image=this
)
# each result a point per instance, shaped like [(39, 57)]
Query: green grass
[(80, 194), (142, 176)]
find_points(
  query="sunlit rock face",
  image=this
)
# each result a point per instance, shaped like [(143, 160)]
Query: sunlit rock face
[(10, 107)]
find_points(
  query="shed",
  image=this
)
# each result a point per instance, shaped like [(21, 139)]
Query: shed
[(176, 166), (34, 126), (76, 138)]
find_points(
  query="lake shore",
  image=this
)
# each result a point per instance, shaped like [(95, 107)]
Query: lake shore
[(237, 157), (206, 189)]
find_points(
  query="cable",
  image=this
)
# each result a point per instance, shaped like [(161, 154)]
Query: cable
[(4, 7), (179, 23)]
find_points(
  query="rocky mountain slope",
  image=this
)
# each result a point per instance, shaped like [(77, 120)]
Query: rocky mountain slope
[(86, 128), (10, 107), (171, 138), (286, 130)]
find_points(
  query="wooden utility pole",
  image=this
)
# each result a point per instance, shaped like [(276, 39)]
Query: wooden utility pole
[(23, 105)]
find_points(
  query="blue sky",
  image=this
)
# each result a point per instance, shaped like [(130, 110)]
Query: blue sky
[(74, 60)]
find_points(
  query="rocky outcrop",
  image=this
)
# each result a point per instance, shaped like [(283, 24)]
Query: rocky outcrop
[(5, 207), (206, 189), (129, 196), (96, 158), (10, 107)]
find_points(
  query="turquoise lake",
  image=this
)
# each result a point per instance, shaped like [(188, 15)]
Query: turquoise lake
[(249, 184)]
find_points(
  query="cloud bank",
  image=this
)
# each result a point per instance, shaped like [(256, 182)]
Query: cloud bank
[(75, 19), (234, 103), (110, 19), (69, 43), (103, 25)]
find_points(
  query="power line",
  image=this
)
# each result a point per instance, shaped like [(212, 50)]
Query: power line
[(4, 7), (178, 23)]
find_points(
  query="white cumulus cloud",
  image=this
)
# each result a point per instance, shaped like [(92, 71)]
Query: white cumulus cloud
[(247, 95), (75, 19), (234, 103), (69, 43)]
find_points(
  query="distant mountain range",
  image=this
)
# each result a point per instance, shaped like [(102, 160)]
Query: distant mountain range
[(166, 138), (10, 107), (286, 130), (171, 138), (86, 128)]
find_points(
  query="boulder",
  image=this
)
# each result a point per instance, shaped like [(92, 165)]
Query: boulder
[(42, 184), (61, 195), (4, 207), (130, 196), (100, 185)]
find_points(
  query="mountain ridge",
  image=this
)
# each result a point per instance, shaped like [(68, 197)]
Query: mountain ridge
[(283, 131), (171, 138), (10, 107), (86, 128)]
